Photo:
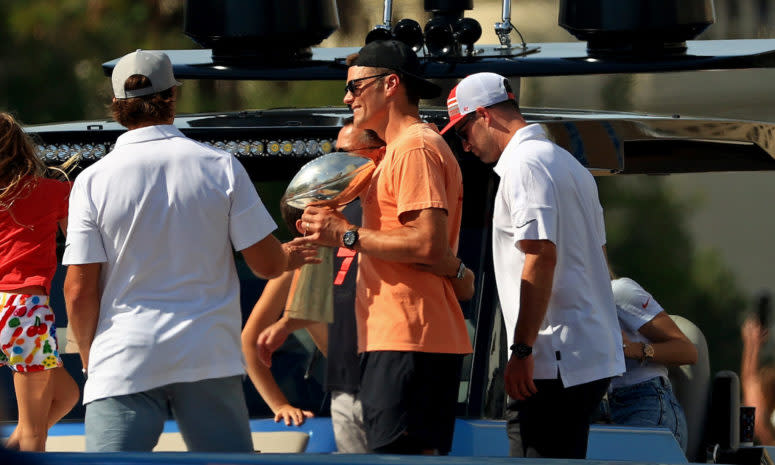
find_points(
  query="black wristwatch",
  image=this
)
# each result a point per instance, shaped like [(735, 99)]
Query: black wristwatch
[(521, 351), (350, 237)]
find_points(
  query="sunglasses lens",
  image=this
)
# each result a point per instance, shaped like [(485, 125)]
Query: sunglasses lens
[(350, 86), (459, 130)]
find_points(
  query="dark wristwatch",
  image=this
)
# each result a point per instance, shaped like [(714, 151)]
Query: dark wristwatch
[(521, 351), (350, 237)]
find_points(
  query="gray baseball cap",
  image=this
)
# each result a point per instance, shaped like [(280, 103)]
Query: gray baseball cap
[(156, 66)]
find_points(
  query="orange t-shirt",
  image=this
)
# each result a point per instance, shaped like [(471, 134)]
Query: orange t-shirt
[(28, 235), (398, 307)]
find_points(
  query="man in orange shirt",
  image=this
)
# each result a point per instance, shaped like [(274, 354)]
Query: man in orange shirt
[(411, 329)]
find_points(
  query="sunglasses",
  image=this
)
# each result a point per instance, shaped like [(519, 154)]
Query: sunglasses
[(350, 87), (460, 129)]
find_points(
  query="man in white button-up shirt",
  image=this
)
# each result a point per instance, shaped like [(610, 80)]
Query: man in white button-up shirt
[(550, 268), (152, 291)]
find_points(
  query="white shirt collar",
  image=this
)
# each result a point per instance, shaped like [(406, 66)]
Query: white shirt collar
[(148, 133), (531, 131)]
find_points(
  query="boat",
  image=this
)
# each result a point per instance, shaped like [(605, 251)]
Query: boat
[(271, 43)]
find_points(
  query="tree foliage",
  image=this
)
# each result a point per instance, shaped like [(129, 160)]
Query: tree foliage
[(649, 241), (51, 68), (54, 48)]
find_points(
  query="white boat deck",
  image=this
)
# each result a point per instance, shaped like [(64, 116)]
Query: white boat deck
[(271, 442)]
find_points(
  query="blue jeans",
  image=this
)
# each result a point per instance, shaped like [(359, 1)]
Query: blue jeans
[(212, 417), (650, 403)]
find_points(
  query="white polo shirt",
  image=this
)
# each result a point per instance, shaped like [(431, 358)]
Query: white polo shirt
[(545, 193), (635, 307), (161, 213)]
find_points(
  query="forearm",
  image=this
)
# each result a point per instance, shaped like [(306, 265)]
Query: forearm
[(671, 353), (421, 238), (749, 366), (448, 267), (535, 291), (404, 245), (751, 387), (266, 258), (83, 313), (262, 379), (464, 288)]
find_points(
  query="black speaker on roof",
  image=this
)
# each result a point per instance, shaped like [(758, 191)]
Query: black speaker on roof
[(256, 31), (448, 31), (448, 5), (636, 28), (409, 32)]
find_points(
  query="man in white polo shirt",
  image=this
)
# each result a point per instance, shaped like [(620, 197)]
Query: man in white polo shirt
[(152, 291), (550, 268)]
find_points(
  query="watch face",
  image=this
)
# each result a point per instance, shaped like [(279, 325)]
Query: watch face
[(349, 238), (461, 271), (648, 350), (522, 350)]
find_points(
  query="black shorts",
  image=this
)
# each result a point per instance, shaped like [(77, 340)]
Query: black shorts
[(554, 412), (409, 400)]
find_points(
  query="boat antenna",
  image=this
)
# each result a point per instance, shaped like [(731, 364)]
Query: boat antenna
[(503, 29)]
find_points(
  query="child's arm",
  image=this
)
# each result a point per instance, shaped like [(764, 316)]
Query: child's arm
[(266, 311)]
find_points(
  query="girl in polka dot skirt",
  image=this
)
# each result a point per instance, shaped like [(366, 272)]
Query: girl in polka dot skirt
[(32, 207)]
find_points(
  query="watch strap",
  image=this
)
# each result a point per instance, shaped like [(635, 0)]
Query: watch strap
[(521, 351)]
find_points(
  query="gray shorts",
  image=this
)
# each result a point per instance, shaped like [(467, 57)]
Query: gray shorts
[(212, 417), (347, 418)]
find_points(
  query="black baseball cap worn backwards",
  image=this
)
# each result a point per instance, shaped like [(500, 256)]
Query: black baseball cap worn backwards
[(397, 56)]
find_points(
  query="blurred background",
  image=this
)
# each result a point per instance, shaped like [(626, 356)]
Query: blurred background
[(700, 243)]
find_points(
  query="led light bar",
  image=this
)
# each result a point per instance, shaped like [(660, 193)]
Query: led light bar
[(62, 152), (57, 153)]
